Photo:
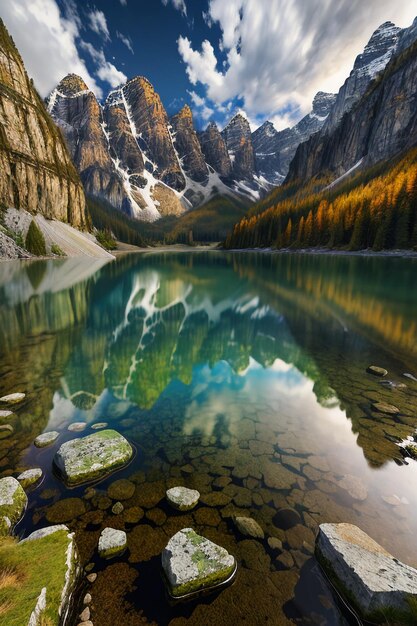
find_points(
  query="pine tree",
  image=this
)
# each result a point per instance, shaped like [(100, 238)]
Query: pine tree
[(35, 241)]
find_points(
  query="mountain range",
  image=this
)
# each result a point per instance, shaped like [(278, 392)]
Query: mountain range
[(130, 154)]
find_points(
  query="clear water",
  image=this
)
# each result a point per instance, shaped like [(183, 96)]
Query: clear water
[(241, 375)]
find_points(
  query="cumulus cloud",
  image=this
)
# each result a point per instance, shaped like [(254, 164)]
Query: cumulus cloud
[(106, 71), (47, 41), (274, 56), (98, 23), (123, 2), (177, 4), (126, 40)]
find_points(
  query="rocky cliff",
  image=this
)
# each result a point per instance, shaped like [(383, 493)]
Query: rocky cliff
[(37, 172), (238, 138), (76, 110), (275, 150), (215, 150), (187, 145), (382, 124), (373, 60)]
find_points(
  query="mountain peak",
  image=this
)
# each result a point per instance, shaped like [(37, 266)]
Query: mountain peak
[(185, 112), (379, 49), (72, 84), (323, 102)]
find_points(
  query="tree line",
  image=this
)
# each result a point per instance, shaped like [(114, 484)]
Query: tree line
[(376, 209)]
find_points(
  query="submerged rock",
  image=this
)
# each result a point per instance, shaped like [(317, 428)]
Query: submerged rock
[(30, 477), (77, 427), (4, 414), (192, 563), (91, 457), (377, 371), (384, 407), (183, 499), (122, 489), (13, 499), (112, 542), (45, 439), (99, 425), (12, 398), (247, 526), (366, 574)]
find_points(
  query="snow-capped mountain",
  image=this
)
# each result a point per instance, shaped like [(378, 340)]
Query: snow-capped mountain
[(274, 150), (130, 153), (373, 60)]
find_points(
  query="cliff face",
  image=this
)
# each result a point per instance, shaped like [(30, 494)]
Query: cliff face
[(187, 145), (238, 139), (215, 151), (373, 60), (76, 110), (150, 121), (37, 172), (381, 125)]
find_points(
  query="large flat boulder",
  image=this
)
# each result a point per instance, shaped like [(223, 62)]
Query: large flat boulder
[(192, 563), (92, 457), (40, 595), (366, 574), (13, 500)]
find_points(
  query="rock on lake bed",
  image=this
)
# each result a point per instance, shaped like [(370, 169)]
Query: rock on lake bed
[(92, 457), (192, 563), (365, 573)]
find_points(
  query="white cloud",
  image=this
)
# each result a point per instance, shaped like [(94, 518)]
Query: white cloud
[(47, 42), (123, 2), (106, 71), (126, 40), (98, 23), (281, 52), (178, 4)]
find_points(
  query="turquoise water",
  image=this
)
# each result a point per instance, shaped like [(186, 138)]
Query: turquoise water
[(241, 375)]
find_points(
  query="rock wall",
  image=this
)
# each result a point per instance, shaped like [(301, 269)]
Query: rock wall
[(37, 172)]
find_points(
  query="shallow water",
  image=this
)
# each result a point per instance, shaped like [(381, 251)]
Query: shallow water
[(241, 375)]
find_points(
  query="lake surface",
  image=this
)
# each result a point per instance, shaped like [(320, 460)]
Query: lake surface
[(240, 375)]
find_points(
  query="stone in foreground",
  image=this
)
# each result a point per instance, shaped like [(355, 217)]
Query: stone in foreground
[(30, 477), (377, 371), (111, 543), (13, 499), (45, 439), (12, 398), (192, 563), (4, 414), (92, 457), (366, 574), (183, 499), (248, 527)]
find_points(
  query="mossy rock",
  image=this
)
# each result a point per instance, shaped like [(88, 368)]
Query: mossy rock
[(91, 457), (193, 564), (13, 499)]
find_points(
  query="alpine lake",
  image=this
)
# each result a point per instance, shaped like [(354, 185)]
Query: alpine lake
[(241, 375)]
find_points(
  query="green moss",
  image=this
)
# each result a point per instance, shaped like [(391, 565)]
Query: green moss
[(206, 581), (20, 590), (35, 241)]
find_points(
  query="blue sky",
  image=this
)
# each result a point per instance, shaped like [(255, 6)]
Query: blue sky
[(266, 58)]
